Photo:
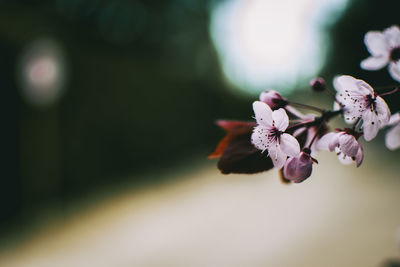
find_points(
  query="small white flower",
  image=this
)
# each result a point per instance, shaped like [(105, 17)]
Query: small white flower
[(269, 134), (385, 49), (392, 138), (346, 146), (359, 101)]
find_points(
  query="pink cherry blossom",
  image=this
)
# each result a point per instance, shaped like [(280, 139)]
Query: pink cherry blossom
[(273, 99), (385, 49), (270, 134), (299, 168), (276, 101), (359, 101), (346, 146), (318, 84), (392, 138)]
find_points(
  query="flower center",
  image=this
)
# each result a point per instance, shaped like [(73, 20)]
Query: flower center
[(275, 134), (370, 102), (395, 54)]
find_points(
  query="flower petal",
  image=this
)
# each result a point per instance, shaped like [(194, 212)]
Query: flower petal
[(342, 157), (325, 141), (336, 106), (392, 36), (360, 155), (289, 145), (382, 111), (280, 119), (392, 138), (394, 119), (376, 43), (374, 63), (349, 145), (259, 138), (370, 124), (277, 155), (343, 82), (263, 113), (394, 70)]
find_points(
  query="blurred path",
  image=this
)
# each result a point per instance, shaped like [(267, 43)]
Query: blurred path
[(343, 217)]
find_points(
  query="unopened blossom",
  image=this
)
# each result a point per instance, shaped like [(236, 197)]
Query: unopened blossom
[(276, 101), (299, 168), (318, 84), (392, 138), (385, 50), (346, 146), (359, 101), (270, 134), (273, 99)]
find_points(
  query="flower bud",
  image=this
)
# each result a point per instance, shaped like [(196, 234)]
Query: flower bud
[(318, 84), (297, 169), (273, 99)]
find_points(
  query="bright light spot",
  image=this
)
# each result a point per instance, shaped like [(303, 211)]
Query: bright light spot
[(264, 43), (42, 73)]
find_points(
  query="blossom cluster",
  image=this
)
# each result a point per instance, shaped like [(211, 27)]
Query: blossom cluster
[(284, 138)]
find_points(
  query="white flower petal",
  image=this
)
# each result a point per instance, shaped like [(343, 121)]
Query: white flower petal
[(259, 138), (289, 145), (360, 155), (348, 145), (334, 142), (394, 70), (382, 111), (336, 105), (363, 87), (277, 155), (280, 119), (263, 113), (347, 83), (374, 63), (342, 157), (376, 43), (392, 36), (370, 124), (392, 138), (323, 143), (394, 119), (343, 82)]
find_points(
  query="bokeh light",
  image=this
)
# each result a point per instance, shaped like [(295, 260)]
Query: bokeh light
[(41, 72), (263, 43)]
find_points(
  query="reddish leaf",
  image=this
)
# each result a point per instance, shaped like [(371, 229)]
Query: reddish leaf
[(233, 129), (240, 156)]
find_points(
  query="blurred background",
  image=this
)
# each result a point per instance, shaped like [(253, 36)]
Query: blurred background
[(109, 110)]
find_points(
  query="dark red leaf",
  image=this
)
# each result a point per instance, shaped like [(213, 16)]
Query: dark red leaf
[(240, 156)]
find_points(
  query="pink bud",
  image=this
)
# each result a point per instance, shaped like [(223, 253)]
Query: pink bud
[(318, 84), (273, 99), (297, 169)]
